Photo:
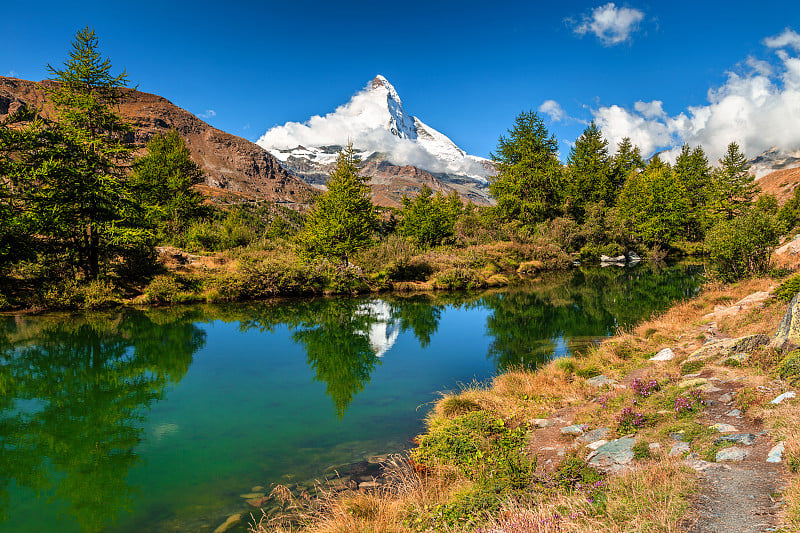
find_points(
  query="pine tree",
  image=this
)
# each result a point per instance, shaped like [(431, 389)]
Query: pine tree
[(77, 191), (693, 174), (590, 172), (530, 180), (428, 219), (163, 180), (733, 187), (343, 219)]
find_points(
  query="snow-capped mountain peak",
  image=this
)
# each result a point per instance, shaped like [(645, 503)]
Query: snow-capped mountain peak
[(375, 121)]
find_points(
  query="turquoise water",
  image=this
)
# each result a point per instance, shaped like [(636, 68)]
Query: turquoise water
[(157, 420)]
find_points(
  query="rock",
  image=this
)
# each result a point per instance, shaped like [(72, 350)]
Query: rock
[(654, 446), (620, 259), (708, 388), (633, 257), (257, 502), (735, 358), (378, 459), (594, 436), (365, 485), (686, 383), (748, 439), (574, 429), (788, 334), (258, 488), (745, 344), (679, 449), (734, 413), (542, 422), (228, 523), (776, 453), (613, 455), (731, 454), (596, 444), (600, 381), (678, 436), (723, 428), (784, 396), (252, 495), (725, 398), (664, 355)]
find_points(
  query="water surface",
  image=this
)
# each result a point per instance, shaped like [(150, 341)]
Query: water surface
[(158, 419)]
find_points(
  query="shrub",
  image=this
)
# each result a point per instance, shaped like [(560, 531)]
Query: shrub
[(457, 278), (641, 450), (789, 366), (98, 294), (645, 388), (628, 421), (453, 406), (742, 246), (787, 290), (164, 289), (687, 404), (573, 472)]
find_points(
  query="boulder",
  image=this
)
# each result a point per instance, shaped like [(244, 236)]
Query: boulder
[(731, 454), (679, 449), (788, 335), (620, 259), (664, 355), (594, 436), (723, 428), (574, 429), (613, 456), (748, 439), (600, 381), (776, 453), (784, 396), (633, 257), (541, 422)]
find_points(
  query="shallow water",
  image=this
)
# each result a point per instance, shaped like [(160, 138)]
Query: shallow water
[(157, 420)]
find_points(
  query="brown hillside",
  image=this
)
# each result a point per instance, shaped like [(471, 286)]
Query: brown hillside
[(230, 163), (781, 183)]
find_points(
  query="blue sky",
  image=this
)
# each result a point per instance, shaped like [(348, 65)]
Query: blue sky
[(466, 68)]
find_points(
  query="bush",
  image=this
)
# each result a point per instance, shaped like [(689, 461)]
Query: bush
[(457, 278), (573, 472), (741, 247), (789, 366), (453, 406), (98, 294), (787, 290), (628, 421), (165, 289), (641, 450)]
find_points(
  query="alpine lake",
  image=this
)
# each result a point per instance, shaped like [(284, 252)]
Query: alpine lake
[(140, 420)]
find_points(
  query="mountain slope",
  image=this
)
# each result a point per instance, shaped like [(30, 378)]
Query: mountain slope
[(389, 140), (230, 163)]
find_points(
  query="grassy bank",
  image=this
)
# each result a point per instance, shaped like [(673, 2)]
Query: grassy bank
[(493, 458)]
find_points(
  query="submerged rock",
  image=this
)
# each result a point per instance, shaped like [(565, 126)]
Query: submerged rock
[(229, 523)]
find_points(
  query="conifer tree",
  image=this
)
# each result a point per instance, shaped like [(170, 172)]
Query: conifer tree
[(627, 159), (163, 180), (77, 192), (693, 174), (733, 187), (428, 219), (343, 219), (590, 172), (529, 183)]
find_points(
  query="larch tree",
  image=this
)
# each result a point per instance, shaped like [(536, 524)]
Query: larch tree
[(733, 187), (590, 172), (530, 180), (343, 219), (693, 174)]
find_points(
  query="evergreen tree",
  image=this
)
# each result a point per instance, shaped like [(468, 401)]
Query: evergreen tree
[(733, 187), (590, 172), (76, 189), (429, 219), (163, 180), (654, 204), (343, 219), (626, 160), (529, 183), (693, 174)]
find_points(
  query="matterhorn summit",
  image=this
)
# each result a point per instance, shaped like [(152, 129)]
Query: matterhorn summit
[(393, 144)]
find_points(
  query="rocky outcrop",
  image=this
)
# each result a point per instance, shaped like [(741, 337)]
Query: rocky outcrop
[(230, 163), (788, 334)]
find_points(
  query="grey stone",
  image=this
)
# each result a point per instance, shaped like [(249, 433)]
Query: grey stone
[(611, 455), (776, 453), (600, 381), (788, 334), (542, 422), (608, 259), (708, 388), (731, 454), (633, 256), (664, 355), (784, 396), (678, 436), (723, 428), (594, 435), (679, 449), (745, 344), (596, 444), (574, 429), (748, 439), (654, 446), (725, 398), (734, 413)]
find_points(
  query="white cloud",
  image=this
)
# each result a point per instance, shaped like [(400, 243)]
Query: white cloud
[(609, 23), (210, 113), (759, 109), (788, 38), (12, 74), (553, 109)]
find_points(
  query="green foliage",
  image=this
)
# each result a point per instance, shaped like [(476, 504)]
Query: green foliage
[(166, 289), (692, 367), (529, 183), (457, 278), (789, 367), (428, 219), (163, 178), (654, 204), (733, 187), (627, 160), (693, 175), (590, 172), (453, 406), (788, 288), (573, 472), (343, 219), (641, 450), (742, 246)]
